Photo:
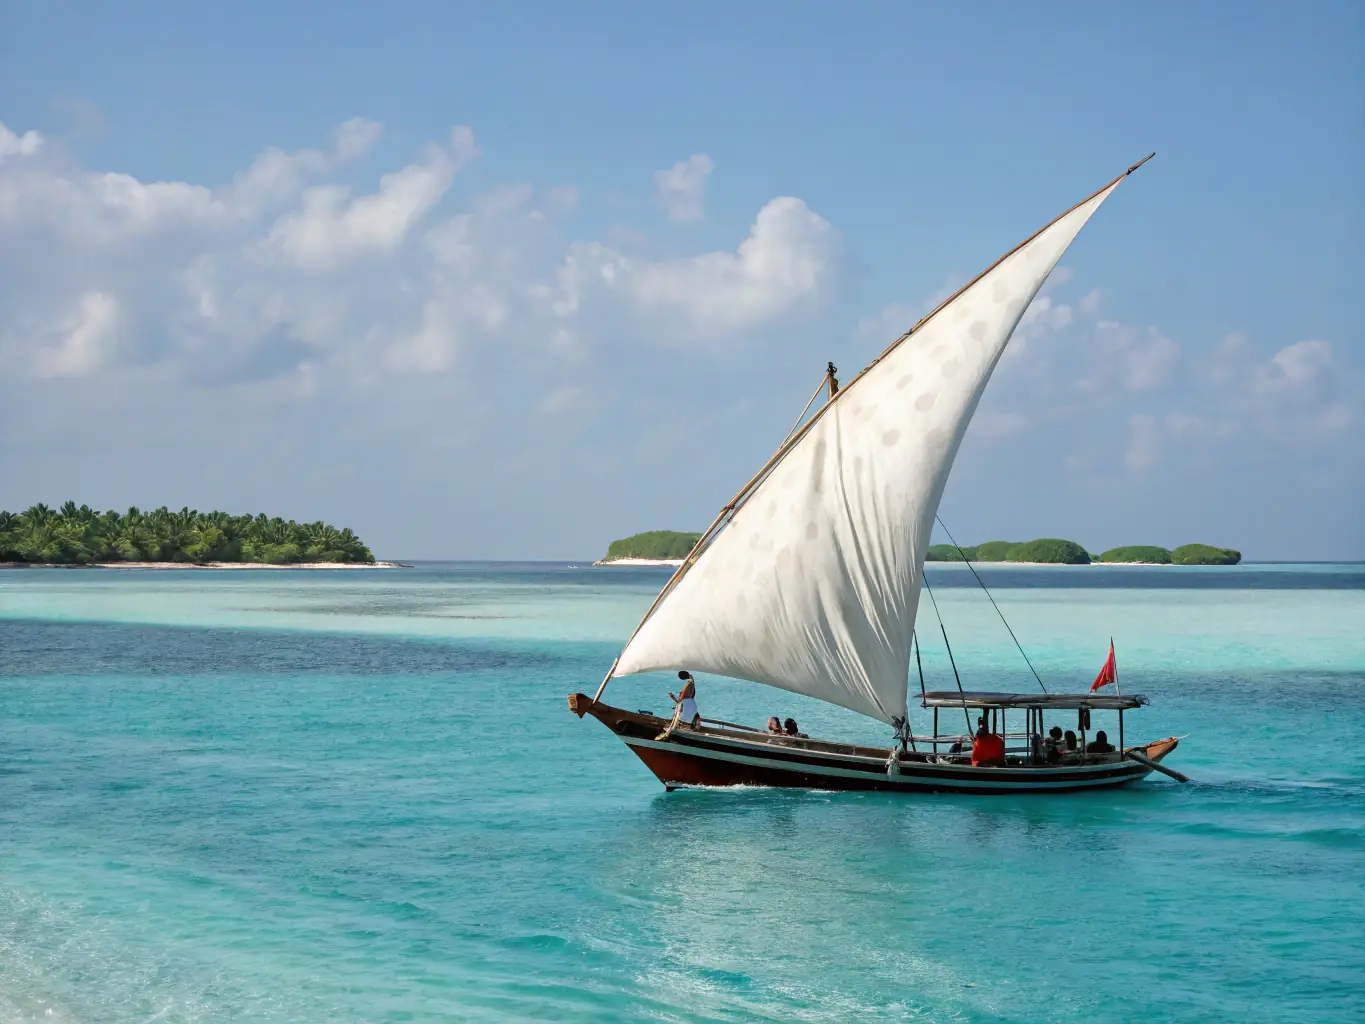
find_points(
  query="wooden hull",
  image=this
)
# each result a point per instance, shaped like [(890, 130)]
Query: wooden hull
[(725, 757)]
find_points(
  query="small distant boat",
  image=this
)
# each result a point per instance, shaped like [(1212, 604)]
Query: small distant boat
[(809, 579)]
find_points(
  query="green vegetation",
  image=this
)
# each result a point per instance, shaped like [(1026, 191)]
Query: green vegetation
[(1049, 549), (949, 553), (668, 544), (654, 544), (1145, 553), (80, 536), (1066, 552), (1204, 554), (993, 551)]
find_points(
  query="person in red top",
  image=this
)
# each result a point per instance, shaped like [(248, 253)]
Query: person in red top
[(988, 750)]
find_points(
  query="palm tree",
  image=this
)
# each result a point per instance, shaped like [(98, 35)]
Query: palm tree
[(37, 515), (131, 538), (177, 532)]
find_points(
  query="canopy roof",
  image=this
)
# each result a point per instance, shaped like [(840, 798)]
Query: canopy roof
[(984, 699)]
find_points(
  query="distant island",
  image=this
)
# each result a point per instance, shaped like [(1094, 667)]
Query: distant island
[(1067, 552), (79, 535), (668, 547), (655, 547)]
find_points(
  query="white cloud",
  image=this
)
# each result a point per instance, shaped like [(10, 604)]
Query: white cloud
[(332, 229), (1300, 392), (890, 322), (12, 144), (275, 177), (1044, 316), (790, 258), (1291, 399), (82, 339), (1130, 389), (283, 273), (1295, 368), (1146, 358), (682, 187), (354, 138)]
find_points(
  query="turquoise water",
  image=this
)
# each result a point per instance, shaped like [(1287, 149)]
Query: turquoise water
[(359, 796)]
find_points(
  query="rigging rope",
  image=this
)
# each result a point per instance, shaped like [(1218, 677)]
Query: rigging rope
[(829, 375), (914, 638), (951, 660), (991, 599)]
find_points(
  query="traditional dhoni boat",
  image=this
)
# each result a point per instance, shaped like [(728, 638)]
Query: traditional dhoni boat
[(809, 580)]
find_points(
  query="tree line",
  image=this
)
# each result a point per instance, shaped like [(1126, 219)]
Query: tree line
[(79, 535), (1068, 552)]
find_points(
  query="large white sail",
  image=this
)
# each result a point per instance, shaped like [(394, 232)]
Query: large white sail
[(814, 583)]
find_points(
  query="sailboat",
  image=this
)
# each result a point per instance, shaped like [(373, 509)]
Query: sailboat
[(809, 579)]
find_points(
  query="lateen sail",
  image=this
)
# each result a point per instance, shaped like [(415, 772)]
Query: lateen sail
[(813, 584)]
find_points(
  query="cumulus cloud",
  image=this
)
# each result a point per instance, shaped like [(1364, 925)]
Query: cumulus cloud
[(286, 272), (682, 187), (355, 137), (789, 259), (1295, 368), (1133, 389), (332, 229), (12, 144), (1144, 358), (1300, 391), (82, 339), (1291, 398)]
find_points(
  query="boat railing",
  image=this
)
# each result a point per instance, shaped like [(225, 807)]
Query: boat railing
[(729, 725)]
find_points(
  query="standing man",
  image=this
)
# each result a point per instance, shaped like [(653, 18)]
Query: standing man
[(685, 706)]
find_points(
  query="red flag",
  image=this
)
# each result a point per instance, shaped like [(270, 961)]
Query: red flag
[(1109, 673)]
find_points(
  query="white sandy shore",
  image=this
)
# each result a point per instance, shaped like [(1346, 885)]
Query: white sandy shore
[(207, 565), (640, 561)]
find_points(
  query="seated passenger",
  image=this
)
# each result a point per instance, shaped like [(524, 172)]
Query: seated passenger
[(775, 725), (1052, 746), (988, 750), (1071, 743), (789, 727), (1100, 744)]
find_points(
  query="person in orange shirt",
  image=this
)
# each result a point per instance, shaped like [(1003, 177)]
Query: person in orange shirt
[(988, 749)]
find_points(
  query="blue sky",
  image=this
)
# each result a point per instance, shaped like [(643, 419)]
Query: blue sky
[(514, 282)]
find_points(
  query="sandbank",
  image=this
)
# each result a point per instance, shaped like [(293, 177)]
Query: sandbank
[(674, 562)]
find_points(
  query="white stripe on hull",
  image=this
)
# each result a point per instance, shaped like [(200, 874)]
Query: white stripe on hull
[(922, 777)]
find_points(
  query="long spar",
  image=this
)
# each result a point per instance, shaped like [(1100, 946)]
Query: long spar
[(795, 438), (729, 507)]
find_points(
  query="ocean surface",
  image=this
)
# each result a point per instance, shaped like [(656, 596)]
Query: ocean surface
[(360, 796)]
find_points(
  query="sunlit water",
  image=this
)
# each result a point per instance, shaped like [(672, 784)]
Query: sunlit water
[(301, 797)]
